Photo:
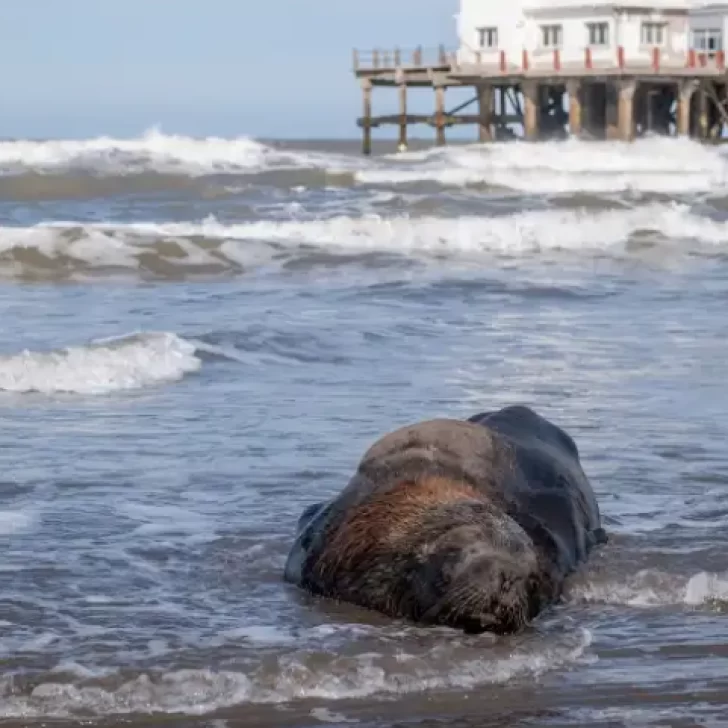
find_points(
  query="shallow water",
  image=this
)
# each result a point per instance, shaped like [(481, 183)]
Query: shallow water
[(201, 337)]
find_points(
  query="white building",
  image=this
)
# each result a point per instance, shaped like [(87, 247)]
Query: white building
[(708, 27), (494, 32)]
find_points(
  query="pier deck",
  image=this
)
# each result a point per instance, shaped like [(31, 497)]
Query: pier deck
[(592, 96)]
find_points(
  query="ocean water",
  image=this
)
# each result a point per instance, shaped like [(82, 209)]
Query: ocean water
[(200, 337)]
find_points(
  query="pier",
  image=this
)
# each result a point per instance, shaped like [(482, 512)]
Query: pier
[(546, 96)]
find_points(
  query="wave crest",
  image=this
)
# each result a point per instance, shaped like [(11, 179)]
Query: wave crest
[(209, 248), (104, 365), (289, 678), (153, 151)]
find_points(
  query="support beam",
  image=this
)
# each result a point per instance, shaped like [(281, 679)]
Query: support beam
[(612, 111), (626, 91), (531, 107), (366, 145), (573, 88), (440, 115), (402, 146), (702, 112), (485, 112), (685, 91)]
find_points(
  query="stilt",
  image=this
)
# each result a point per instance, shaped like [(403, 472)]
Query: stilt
[(626, 91), (485, 112), (685, 91), (573, 88), (531, 107), (366, 87), (402, 117), (612, 111), (440, 115), (702, 112)]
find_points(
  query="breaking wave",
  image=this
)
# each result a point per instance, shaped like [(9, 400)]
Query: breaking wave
[(177, 250), (154, 151), (656, 165), (649, 165), (104, 365), (287, 678), (652, 587)]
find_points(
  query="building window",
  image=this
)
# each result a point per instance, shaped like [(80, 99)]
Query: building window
[(707, 40), (488, 37), (598, 34), (551, 36), (653, 34)]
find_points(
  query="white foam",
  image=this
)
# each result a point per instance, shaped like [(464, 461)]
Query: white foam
[(165, 519), (652, 164), (127, 362), (105, 248), (651, 588), (326, 716), (294, 677), (154, 151), (704, 587), (527, 231), (12, 522)]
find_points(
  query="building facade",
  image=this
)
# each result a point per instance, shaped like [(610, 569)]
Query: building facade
[(708, 28), (491, 33)]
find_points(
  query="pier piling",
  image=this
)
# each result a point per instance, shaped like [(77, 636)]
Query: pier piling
[(440, 115), (626, 92), (402, 116), (485, 112), (702, 112), (366, 87), (551, 96), (531, 109), (685, 92), (573, 89)]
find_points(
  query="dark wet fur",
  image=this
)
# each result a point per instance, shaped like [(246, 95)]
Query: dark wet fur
[(516, 516)]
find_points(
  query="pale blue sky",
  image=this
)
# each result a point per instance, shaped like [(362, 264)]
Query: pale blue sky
[(277, 68)]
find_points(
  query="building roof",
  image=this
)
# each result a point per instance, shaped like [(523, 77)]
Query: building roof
[(551, 5), (709, 5)]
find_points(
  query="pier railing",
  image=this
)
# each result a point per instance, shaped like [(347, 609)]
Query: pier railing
[(498, 62), (655, 59), (419, 57)]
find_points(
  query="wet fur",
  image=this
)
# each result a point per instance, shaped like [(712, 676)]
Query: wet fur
[(469, 524)]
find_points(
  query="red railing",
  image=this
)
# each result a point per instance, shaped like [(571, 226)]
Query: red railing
[(440, 58), (700, 60), (655, 61)]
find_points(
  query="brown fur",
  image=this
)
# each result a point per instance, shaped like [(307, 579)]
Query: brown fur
[(388, 521)]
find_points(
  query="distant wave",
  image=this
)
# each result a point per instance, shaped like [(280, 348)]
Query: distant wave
[(649, 165), (154, 151), (655, 165), (106, 365), (211, 248)]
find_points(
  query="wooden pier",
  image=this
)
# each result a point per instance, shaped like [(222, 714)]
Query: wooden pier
[(547, 98)]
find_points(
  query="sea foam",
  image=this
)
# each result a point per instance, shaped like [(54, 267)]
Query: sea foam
[(652, 164), (102, 366), (209, 247), (154, 151)]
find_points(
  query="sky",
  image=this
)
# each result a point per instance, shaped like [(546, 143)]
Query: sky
[(275, 69)]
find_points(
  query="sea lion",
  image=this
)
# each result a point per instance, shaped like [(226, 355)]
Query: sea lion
[(473, 524)]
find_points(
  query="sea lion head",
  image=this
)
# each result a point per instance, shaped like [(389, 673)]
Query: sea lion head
[(432, 550)]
